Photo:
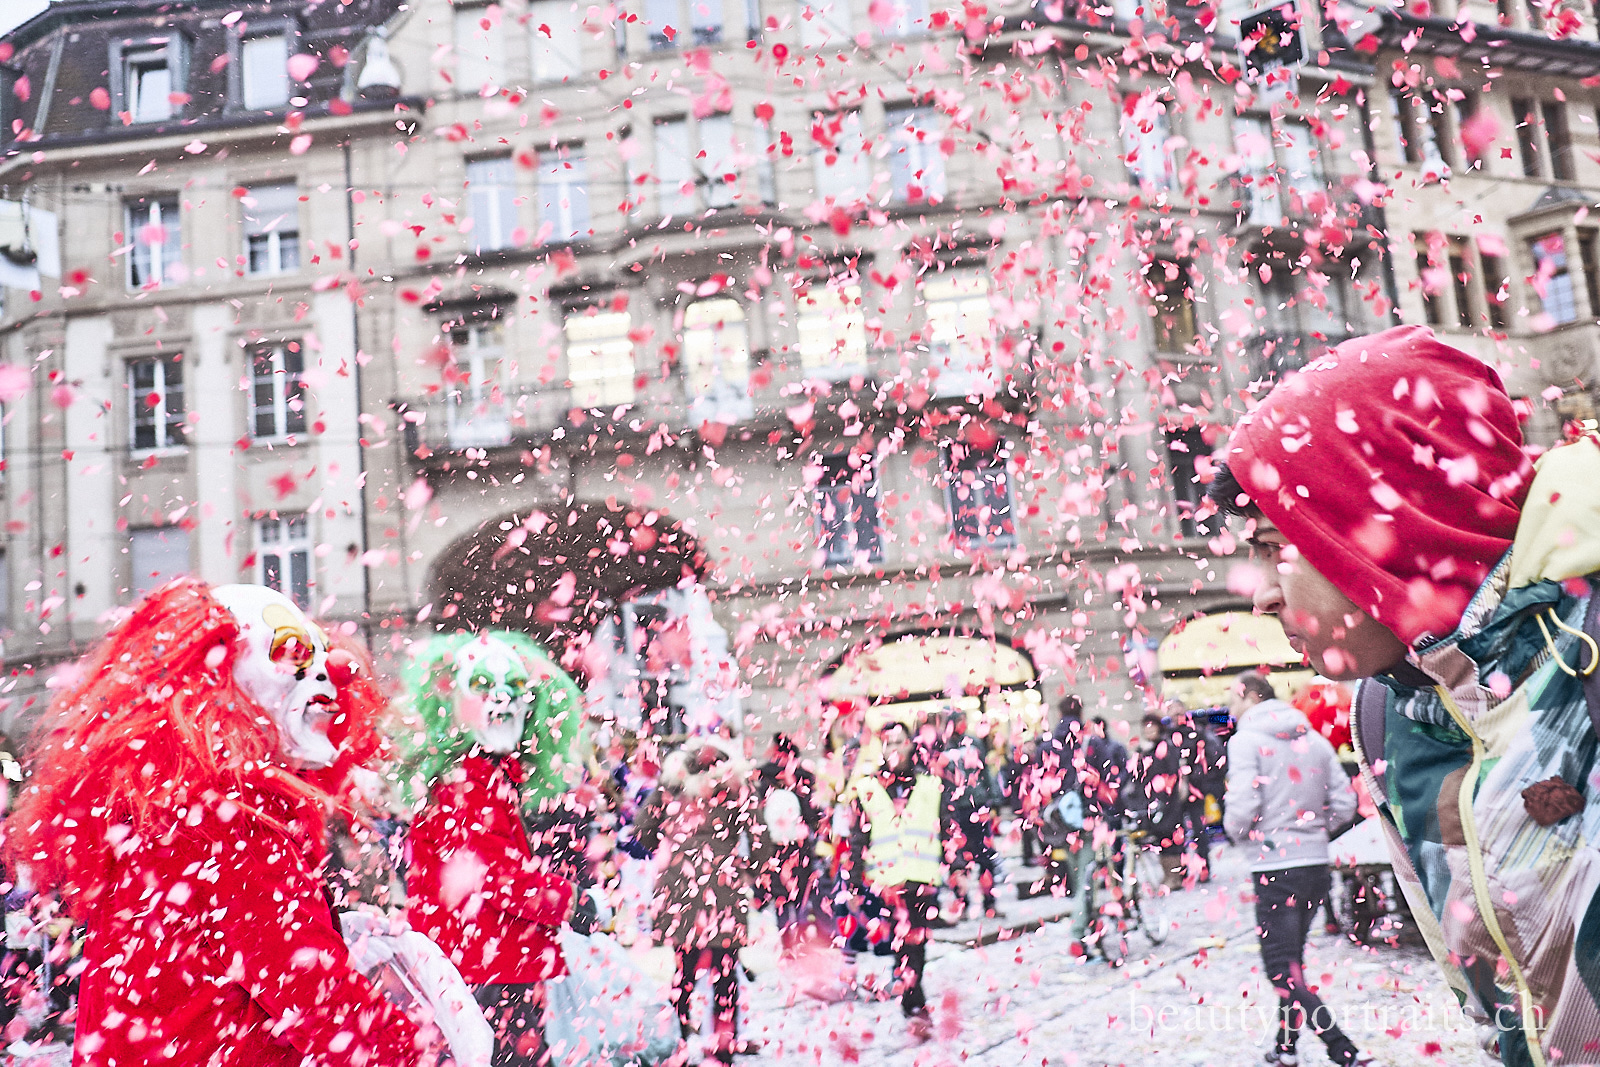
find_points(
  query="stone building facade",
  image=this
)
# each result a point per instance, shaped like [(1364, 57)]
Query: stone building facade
[(814, 322)]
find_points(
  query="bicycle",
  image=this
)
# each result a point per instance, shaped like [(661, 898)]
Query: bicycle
[(1128, 868)]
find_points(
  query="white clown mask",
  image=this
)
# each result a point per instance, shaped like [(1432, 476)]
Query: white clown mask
[(492, 693), (281, 662)]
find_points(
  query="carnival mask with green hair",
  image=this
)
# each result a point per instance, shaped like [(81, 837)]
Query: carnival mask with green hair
[(496, 691)]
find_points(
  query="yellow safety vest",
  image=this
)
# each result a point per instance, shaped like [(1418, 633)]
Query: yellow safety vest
[(905, 846)]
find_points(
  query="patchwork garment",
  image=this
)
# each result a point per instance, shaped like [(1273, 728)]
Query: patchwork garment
[(1489, 783)]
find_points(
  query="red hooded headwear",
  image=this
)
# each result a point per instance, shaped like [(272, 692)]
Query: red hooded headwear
[(1395, 466)]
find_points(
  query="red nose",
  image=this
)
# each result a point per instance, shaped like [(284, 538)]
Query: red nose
[(342, 668)]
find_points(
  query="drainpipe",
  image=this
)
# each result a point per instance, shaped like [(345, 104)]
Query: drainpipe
[(361, 396)]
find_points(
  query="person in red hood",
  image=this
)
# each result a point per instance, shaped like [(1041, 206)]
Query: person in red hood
[(173, 803), (1405, 538), (1393, 470)]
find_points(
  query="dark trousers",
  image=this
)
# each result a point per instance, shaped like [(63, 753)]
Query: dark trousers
[(1285, 902), (1194, 828), (516, 1012), (723, 963)]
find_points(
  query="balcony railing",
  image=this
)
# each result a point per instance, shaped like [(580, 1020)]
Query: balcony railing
[(506, 416)]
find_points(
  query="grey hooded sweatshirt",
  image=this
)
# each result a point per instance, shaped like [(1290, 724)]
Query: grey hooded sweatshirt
[(1286, 789)]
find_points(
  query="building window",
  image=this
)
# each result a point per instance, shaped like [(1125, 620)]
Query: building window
[(1302, 314), (910, 16), (1272, 158), (600, 357), (147, 74), (848, 524), (1552, 278), (156, 555), (716, 349), (703, 21), (283, 557), (680, 169), (916, 166), (1431, 278), (478, 412), (824, 23), (1423, 132), (1496, 286), (5, 592), (277, 397), (480, 49), (155, 237), (1543, 134), (272, 228), (1184, 449), (155, 403), (264, 71), (556, 41), (978, 495), (832, 330), (1145, 134), (1558, 140), (1460, 259), (563, 194), (843, 165), (1170, 289), (959, 332), (491, 203), (674, 167)]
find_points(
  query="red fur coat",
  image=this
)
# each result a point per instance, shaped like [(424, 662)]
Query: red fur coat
[(473, 885), (217, 945)]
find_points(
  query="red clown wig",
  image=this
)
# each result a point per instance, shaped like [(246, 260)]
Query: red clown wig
[(154, 725)]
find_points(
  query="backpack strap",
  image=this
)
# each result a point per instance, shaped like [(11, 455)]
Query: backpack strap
[(1591, 681), (1372, 703)]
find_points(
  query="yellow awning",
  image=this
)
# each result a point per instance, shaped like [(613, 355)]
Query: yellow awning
[(1199, 660), (928, 666)]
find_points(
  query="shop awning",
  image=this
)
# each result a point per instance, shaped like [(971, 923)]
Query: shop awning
[(928, 667), (1199, 661)]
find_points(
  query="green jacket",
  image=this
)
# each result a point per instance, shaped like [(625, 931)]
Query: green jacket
[(1509, 906)]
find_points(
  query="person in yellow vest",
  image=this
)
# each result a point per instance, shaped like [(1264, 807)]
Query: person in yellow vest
[(897, 853)]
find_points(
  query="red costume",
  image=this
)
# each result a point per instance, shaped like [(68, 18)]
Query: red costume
[(473, 885), (161, 807)]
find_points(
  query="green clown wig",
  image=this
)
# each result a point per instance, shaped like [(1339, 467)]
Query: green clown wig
[(432, 742)]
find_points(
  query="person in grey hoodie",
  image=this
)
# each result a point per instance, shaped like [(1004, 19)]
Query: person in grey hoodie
[(1286, 791)]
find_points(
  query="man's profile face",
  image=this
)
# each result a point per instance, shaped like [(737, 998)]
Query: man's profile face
[(1341, 641)]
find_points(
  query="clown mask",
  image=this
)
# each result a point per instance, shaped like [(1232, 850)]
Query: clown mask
[(281, 661), (492, 693)]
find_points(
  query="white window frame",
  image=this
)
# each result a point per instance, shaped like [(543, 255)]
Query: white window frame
[(478, 410), (140, 573), (564, 193), (477, 72), (285, 387), (843, 175), (910, 18), (254, 51), (823, 23), (716, 351), (492, 204), (160, 260), (674, 169), (558, 55), (280, 232), (170, 427), (143, 106), (953, 468), (1140, 145), (600, 360), (831, 330), (281, 540), (835, 479), (914, 156), (959, 330)]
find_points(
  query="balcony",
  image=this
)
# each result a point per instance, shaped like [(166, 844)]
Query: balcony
[(506, 417)]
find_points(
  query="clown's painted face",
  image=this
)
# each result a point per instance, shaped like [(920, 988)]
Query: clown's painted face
[(281, 662), (492, 693)]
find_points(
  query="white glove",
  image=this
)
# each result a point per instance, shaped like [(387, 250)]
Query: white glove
[(378, 941)]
